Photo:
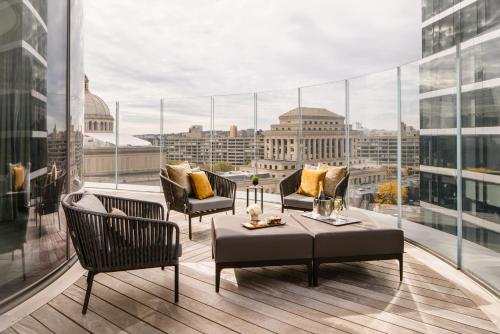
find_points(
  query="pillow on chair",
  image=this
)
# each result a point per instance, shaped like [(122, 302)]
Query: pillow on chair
[(117, 212), (309, 183), (90, 202), (332, 178), (18, 174), (200, 185), (179, 174)]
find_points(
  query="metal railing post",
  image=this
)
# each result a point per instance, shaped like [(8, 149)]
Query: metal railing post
[(212, 111), (255, 109), (117, 142), (458, 69), (347, 136), (299, 130), (399, 142), (161, 134)]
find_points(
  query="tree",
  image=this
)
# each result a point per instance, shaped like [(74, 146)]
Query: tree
[(223, 166), (387, 193)]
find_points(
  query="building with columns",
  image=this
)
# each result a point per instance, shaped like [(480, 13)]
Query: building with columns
[(323, 134)]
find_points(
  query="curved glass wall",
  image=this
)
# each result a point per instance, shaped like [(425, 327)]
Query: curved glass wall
[(40, 137)]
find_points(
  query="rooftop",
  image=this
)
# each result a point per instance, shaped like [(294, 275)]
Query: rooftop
[(352, 297)]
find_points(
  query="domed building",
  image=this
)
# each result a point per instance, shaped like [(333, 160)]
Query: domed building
[(97, 115), (139, 160)]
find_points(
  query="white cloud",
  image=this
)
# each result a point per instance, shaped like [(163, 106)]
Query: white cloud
[(140, 51)]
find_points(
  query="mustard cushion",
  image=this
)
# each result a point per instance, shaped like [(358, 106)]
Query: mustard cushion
[(310, 182), (18, 176), (179, 174), (333, 176), (200, 185)]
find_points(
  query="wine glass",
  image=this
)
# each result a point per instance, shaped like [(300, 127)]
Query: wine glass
[(337, 207)]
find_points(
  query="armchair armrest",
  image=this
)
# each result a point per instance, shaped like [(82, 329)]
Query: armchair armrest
[(133, 207), (221, 185), (290, 184), (176, 196)]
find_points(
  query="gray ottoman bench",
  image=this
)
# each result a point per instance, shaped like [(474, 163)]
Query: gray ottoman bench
[(233, 246), (366, 241)]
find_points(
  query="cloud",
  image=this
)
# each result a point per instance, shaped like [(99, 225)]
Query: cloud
[(138, 52)]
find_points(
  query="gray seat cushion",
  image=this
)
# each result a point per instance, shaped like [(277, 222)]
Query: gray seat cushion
[(234, 243), (90, 202), (367, 238), (211, 203), (299, 201)]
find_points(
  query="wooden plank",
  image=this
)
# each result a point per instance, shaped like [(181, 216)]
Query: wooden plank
[(168, 308), (193, 305), (355, 307), (91, 321), (206, 294), (349, 319), (138, 310), (399, 297), (56, 322), (112, 313), (29, 325)]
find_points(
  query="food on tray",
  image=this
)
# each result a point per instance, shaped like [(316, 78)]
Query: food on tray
[(274, 220)]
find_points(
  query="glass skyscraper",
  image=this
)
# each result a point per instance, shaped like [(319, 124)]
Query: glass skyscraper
[(475, 27)]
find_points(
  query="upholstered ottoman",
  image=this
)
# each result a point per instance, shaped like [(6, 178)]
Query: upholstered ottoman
[(234, 246), (369, 240)]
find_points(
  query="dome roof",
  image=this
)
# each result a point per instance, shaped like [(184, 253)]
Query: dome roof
[(95, 107), (310, 112)]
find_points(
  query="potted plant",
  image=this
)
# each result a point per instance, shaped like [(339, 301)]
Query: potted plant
[(255, 180)]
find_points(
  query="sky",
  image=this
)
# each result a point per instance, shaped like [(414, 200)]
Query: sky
[(138, 52)]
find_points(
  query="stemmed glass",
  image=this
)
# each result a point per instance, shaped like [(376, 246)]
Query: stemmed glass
[(337, 207)]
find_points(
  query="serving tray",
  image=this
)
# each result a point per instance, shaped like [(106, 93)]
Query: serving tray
[(251, 226), (339, 221)]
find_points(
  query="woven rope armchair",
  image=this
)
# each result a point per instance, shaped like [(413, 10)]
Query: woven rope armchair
[(178, 199), (105, 243), (290, 185)]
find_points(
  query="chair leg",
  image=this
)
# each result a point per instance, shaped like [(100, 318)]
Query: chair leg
[(190, 234), (168, 214), (90, 280), (59, 220), (310, 274), (163, 268), (23, 262), (218, 269), (315, 272), (234, 211), (200, 219), (40, 227), (282, 209), (401, 267), (176, 282)]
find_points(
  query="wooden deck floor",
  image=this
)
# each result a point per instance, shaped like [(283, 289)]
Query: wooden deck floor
[(352, 298)]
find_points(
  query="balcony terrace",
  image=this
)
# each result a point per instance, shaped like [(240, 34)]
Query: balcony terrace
[(362, 297)]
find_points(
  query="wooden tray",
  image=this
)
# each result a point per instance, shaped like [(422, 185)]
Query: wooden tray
[(251, 226)]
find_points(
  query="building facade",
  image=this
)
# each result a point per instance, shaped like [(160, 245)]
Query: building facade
[(475, 26)]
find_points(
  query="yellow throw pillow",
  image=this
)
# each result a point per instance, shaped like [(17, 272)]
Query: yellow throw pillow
[(18, 176), (333, 176), (179, 174), (309, 184), (201, 186)]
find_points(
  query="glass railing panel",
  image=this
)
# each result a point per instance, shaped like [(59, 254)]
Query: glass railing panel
[(277, 138), (373, 142), (233, 143), (428, 164), (138, 151), (186, 127), (480, 141), (99, 150)]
